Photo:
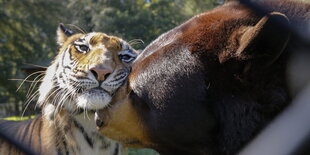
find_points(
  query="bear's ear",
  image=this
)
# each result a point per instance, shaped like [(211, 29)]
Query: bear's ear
[(264, 42), (62, 34)]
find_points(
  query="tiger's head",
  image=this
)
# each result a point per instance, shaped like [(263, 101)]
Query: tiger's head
[(87, 71)]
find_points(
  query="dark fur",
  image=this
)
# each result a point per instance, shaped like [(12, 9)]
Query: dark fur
[(196, 95)]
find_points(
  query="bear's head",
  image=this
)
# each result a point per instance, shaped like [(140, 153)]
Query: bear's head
[(209, 85)]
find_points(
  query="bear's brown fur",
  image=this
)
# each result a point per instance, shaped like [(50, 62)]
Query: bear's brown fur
[(211, 84)]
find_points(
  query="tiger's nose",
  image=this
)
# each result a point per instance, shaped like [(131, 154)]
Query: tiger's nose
[(100, 73)]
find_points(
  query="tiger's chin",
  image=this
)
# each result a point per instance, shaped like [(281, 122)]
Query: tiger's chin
[(93, 99)]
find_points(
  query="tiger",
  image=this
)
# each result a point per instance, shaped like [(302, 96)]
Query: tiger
[(83, 77)]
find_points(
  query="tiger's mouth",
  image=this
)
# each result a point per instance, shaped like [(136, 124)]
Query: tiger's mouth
[(99, 89), (104, 90), (93, 99)]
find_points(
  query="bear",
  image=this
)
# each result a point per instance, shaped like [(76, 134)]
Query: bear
[(211, 84)]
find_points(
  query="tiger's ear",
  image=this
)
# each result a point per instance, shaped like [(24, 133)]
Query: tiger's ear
[(263, 43), (62, 34)]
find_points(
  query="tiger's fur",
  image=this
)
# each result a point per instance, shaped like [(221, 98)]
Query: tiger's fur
[(83, 78)]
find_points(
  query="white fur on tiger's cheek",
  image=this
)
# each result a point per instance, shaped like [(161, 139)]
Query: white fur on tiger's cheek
[(47, 84), (93, 99), (49, 112)]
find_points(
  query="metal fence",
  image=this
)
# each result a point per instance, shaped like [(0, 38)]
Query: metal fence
[(289, 133)]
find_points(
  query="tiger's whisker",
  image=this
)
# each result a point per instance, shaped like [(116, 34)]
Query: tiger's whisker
[(35, 65), (22, 80), (27, 78), (79, 28), (135, 41), (27, 104), (30, 97), (33, 84), (61, 102), (56, 99), (52, 93)]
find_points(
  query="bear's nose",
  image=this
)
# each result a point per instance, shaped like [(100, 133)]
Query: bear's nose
[(100, 73)]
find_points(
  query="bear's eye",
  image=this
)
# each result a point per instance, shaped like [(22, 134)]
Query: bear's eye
[(127, 56), (82, 48)]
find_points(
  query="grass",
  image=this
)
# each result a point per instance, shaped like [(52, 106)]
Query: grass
[(16, 118), (129, 151)]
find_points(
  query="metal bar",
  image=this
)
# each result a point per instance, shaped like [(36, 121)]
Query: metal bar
[(287, 132)]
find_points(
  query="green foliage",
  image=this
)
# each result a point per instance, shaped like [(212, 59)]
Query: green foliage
[(15, 118), (27, 32), (135, 19), (130, 151)]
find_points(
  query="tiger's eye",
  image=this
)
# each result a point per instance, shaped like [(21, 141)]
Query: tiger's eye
[(84, 48)]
